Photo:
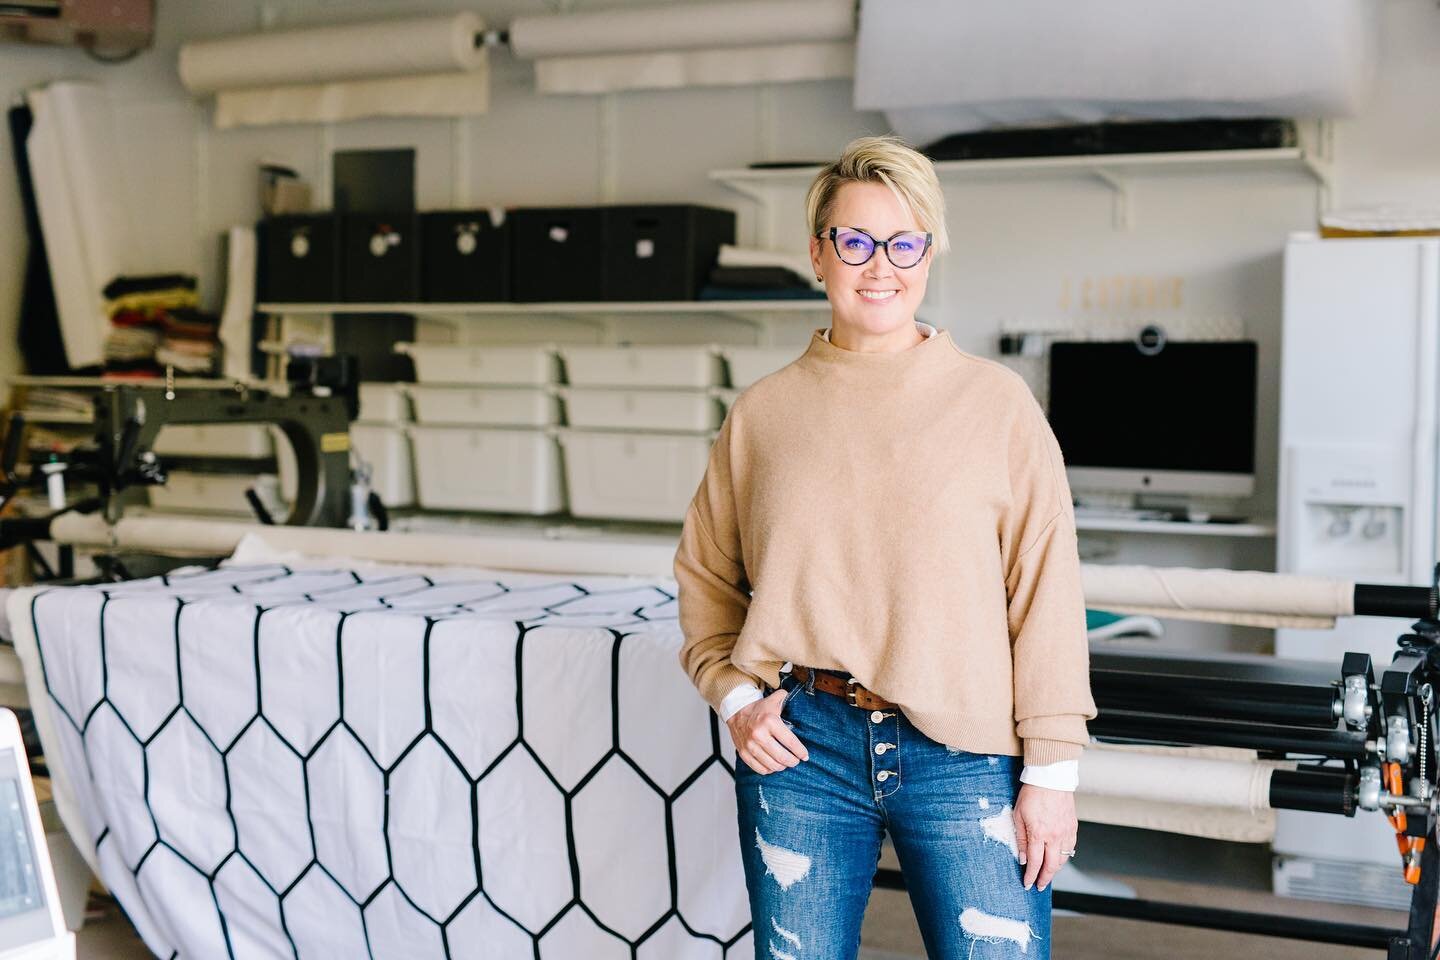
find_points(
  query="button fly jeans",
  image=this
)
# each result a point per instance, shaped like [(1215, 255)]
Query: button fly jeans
[(810, 837)]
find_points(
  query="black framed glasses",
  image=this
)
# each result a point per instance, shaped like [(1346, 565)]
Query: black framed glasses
[(855, 247)]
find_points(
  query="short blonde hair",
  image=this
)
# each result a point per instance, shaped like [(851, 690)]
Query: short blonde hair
[(889, 160)]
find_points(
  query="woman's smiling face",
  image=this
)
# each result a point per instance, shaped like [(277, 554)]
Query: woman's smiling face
[(875, 298)]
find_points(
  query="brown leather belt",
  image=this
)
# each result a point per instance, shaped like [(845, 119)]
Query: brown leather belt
[(851, 690)]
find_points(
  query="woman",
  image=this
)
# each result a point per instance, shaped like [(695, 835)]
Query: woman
[(884, 542)]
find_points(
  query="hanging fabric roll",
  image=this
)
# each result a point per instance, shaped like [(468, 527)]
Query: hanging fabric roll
[(378, 48), (424, 66), (428, 95), (682, 27), (689, 45), (672, 69)]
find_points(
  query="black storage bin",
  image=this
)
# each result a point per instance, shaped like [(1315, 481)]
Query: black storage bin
[(465, 257), (557, 254), (299, 258), (662, 252), (382, 258)]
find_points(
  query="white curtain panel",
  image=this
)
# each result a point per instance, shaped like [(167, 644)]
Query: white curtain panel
[(937, 67), (80, 191)]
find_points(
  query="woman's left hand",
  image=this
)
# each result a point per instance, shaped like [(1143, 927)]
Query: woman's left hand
[(1045, 831)]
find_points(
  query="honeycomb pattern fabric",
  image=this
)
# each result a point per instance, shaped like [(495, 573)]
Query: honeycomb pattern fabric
[(339, 764)]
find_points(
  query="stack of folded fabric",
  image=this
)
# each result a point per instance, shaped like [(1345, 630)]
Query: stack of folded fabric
[(191, 343), (752, 274), (156, 323)]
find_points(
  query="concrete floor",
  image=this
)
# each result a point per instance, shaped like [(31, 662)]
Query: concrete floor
[(890, 932), (1158, 866)]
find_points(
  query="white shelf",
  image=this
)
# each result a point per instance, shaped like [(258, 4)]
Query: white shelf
[(1189, 161), (655, 306), (1178, 527), (1115, 170), (97, 383)]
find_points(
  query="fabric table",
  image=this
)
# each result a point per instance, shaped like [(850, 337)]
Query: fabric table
[(332, 763)]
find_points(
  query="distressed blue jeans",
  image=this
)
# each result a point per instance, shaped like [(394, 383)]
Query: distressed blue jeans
[(810, 837)]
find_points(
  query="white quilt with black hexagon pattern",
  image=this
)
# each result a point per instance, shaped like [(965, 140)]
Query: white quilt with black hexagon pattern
[(335, 764)]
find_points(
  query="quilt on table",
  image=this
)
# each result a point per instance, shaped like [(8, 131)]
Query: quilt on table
[(347, 764)]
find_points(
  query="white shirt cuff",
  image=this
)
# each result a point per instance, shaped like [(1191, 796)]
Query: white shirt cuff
[(1060, 775), (742, 696)]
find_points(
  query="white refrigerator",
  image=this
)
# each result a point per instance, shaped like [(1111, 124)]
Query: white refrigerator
[(1357, 494)]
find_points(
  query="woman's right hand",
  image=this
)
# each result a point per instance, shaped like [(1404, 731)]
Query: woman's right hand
[(762, 739)]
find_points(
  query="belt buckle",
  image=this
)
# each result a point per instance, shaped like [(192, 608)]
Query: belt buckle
[(850, 686)]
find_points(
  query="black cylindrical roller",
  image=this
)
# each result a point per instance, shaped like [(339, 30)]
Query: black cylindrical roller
[(1320, 791)]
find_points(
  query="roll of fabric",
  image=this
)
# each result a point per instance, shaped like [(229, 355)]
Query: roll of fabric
[(1164, 591), (378, 48), (238, 313), (945, 67), (1174, 776), (455, 94), (1218, 792), (719, 67), (1192, 820), (682, 27)]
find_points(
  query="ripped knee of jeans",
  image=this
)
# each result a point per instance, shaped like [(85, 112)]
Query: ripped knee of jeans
[(982, 927), (787, 866)]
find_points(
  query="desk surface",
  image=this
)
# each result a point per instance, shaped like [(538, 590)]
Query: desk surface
[(1176, 527)]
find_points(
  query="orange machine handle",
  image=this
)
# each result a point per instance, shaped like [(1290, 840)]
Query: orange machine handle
[(1410, 847)]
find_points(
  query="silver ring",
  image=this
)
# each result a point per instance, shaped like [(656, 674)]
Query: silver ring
[(1067, 853)]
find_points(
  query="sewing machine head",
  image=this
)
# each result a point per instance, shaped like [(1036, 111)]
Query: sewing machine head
[(313, 413)]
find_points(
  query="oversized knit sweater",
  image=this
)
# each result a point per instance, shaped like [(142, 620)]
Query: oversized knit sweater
[(903, 517)]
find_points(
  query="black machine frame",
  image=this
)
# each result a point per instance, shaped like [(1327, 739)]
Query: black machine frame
[(314, 416), (1382, 733)]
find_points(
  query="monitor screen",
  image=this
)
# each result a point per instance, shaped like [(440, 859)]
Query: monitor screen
[(24, 915), (1189, 407)]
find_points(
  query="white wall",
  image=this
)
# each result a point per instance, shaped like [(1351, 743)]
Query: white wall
[(1020, 245)]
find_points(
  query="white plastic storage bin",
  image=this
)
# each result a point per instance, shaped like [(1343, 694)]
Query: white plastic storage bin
[(384, 403), (748, 364), (591, 407), (512, 365), (246, 440), (633, 476), (387, 449), (490, 406), (477, 468), (667, 366), (216, 493)]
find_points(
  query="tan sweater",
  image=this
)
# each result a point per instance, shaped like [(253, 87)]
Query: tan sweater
[(904, 517)]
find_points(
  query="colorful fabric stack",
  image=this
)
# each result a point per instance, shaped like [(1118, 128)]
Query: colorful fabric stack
[(156, 323)]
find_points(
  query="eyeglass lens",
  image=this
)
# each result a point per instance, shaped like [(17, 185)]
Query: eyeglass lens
[(856, 247)]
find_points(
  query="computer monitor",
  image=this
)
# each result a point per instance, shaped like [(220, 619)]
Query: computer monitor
[(1173, 419), (31, 924)]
